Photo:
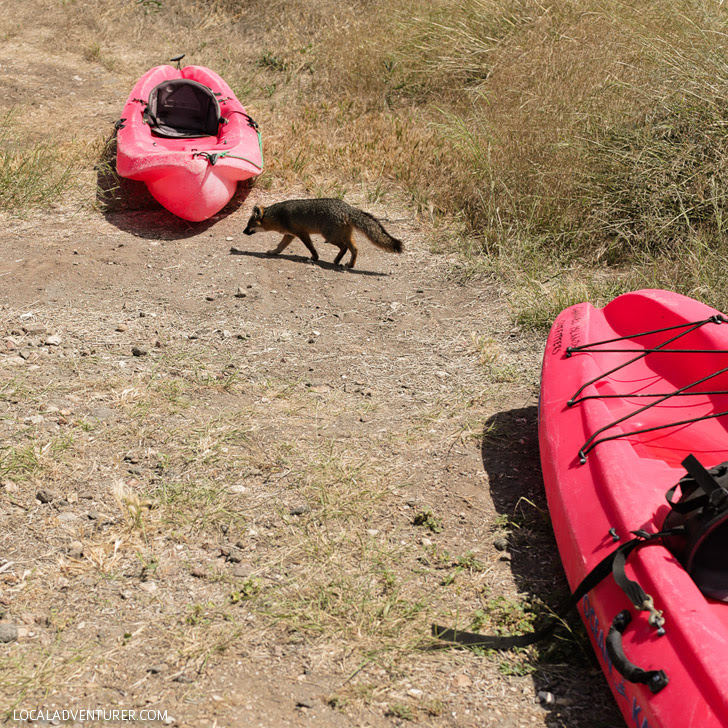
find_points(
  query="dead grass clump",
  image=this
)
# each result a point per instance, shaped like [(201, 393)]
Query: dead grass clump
[(594, 130)]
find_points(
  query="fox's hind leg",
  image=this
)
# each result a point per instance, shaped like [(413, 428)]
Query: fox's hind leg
[(285, 242), (345, 242), (306, 239), (349, 240), (340, 255)]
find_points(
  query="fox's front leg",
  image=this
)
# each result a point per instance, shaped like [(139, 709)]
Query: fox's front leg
[(306, 240), (285, 242)]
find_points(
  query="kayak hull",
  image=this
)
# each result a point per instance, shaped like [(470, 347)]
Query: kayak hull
[(620, 482), (192, 178)]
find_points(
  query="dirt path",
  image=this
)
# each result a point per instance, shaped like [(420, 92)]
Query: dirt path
[(229, 515), (237, 489)]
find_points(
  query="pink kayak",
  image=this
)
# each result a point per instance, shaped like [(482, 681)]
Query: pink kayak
[(628, 392), (185, 134)]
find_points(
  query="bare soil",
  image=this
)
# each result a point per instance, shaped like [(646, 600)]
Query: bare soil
[(238, 488)]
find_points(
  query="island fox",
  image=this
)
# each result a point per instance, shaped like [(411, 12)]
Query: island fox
[(332, 218)]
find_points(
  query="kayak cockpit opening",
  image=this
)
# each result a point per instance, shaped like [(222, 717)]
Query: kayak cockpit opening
[(181, 108)]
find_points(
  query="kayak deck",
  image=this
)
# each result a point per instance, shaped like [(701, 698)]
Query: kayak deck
[(608, 460)]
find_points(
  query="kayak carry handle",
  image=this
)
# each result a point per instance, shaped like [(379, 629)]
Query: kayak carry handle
[(654, 679), (176, 59)]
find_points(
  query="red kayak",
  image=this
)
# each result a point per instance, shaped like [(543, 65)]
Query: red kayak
[(628, 393), (185, 134)]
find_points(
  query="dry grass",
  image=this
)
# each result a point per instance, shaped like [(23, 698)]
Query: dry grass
[(590, 135)]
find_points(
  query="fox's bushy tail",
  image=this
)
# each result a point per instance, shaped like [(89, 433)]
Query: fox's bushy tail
[(374, 230)]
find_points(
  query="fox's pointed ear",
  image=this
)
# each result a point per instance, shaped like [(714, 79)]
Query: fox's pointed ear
[(258, 211)]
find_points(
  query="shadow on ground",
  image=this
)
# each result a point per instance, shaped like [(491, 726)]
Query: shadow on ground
[(565, 665), (128, 205), (305, 259)]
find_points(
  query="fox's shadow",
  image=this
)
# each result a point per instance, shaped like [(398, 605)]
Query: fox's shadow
[(306, 259)]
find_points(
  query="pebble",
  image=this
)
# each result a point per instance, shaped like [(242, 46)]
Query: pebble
[(36, 330), (240, 293), (139, 350), (8, 632), (299, 510), (501, 544), (233, 555), (75, 550), (243, 570), (45, 496), (53, 340), (198, 572), (122, 327)]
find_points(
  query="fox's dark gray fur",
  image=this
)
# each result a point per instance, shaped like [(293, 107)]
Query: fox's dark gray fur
[(332, 218)]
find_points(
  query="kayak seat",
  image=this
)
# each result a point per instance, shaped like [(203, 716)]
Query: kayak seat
[(182, 109)]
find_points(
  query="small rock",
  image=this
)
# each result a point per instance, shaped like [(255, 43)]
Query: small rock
[(8, 632), (35, 330), (53, 340), (210, 297), (240, 293), (198, 572), (243, 570), (234, 556), (546, 697), (45, 496), (139, 350), (462, 681), (156, 669), (501, 543), (75, 550), (299, 510), (122, 327)]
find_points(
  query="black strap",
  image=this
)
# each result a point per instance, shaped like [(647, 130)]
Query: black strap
[(708, 490), (595, 576)]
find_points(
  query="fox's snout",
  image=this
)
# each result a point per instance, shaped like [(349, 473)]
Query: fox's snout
[(254, 221)]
